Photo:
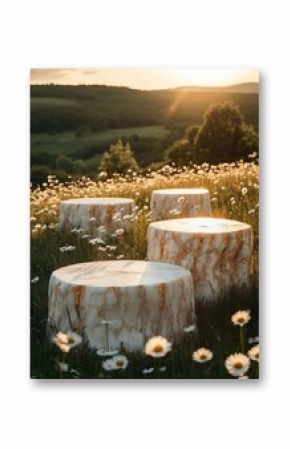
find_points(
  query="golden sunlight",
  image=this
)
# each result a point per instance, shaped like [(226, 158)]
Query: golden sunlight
[(145, 78)]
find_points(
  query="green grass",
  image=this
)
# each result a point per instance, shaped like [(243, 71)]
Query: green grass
[(43, 102), (67, 142)]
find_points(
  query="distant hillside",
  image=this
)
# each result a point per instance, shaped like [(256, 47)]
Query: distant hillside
[(57, 108), (243, 88)]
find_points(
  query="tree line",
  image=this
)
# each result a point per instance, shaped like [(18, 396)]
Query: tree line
[(55, 109)]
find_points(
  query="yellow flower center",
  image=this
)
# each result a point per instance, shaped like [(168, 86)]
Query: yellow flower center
[(158, 348), (202, 357), (70, 339), (238, 365), (120, 363), (241, 320)]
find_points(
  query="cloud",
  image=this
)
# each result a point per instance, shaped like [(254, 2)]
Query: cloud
[(48, 75), (69, 76), (90, 72)]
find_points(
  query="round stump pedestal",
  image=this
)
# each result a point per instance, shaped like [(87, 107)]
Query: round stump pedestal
[(218, 252), (180, 203), (89, 213), (139, 299)]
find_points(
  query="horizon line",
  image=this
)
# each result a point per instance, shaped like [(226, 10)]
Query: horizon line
[(199, 86)]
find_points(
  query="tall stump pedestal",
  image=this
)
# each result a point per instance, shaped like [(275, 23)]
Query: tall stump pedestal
[(140, 300), (89, 213), (217, 251), (180, 203)]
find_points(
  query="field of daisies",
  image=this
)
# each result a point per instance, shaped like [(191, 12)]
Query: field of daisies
[(222, 344)]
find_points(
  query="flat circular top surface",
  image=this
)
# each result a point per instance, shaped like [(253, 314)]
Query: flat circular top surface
[(119, 273), (200, 225), (98, 201), (181, 191)]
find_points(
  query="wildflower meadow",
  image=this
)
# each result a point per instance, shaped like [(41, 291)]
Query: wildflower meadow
[(223, 341)]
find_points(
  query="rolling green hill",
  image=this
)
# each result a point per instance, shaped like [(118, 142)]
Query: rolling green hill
[(82, 121), (56, 108)]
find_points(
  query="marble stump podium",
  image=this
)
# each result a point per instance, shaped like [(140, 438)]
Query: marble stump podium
[(218, 252), (89, 213), (140, 299), (180, 203)]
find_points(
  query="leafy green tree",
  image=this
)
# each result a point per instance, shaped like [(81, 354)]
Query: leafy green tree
[(118, 159), (224, 135), (65, 163), (180, 152), (39, 174), (79, 167), (191, 133)]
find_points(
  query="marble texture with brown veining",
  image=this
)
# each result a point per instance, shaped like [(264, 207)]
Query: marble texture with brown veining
[(180, 203), (141, 298), (218, 252), (81, 212)]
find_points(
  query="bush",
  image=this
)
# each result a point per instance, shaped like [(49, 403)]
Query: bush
[(39, 173), (118, 159), (65, 163)]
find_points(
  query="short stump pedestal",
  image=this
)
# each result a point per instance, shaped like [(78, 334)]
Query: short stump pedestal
[(217, 252), (140, 300), (180, 203), (89, 213)]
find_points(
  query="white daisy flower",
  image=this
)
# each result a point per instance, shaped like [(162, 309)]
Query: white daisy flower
[(148, 370), (157, 346), (63, 367), (202, 355), (120, 231), (111, 248), (241, 318), (254, 353), (34, 280), (100, 241), (65, 342), (181, 199), (237, 364), (189, 328), (253, 340), (115, 363)]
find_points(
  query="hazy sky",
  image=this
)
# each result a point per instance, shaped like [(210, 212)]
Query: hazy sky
[(145, 78)]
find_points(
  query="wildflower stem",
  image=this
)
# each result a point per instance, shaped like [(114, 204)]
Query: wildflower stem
[(242, 339), (107, 343)]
